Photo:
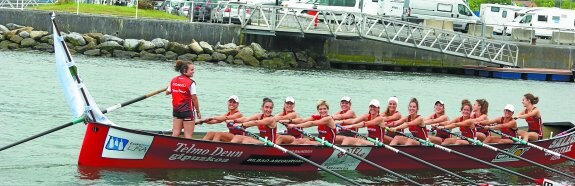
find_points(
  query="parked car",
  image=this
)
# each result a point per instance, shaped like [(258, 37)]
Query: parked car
[(233, 12), (202, 9), (184, 8)]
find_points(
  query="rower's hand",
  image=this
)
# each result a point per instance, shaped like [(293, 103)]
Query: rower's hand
[(238, 125), (230, 121), (283, 121), (393, 129), (389, 124)]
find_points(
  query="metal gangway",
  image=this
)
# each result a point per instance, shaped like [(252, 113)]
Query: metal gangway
[(22, 4), (276, 20)]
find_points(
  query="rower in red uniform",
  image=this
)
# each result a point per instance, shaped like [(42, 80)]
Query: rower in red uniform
[(532, 116), (265, 122), (479, 113), (436, 119), (325, 125), (371, 120), (466, 129), (414, 122), (232, 114), (389, 116), (343, 114), (506, 124), (184, 100), (288, 113)]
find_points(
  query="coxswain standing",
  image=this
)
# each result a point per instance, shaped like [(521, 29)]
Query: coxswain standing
[(184, 100)]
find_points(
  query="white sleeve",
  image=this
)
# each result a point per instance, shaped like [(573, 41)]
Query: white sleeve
[(193, 88)]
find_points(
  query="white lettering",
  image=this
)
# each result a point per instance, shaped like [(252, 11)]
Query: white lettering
[(221, 152)]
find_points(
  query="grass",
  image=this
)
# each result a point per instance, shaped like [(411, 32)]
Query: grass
[(108, 10)]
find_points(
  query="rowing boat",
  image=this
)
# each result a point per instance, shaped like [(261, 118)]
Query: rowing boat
[(118, 147)]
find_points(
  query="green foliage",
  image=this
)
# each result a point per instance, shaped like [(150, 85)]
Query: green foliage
[(475, 5), (64, 1), (545, 3)]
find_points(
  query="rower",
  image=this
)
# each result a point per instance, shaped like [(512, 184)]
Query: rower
[(478, 114), (371, 120), (287, 114), (465, 129), (436, 119), (265, 122), (389, 116), (325, 125), (532, 116), (414, 122), (506, 124), (343, 114), (232, 114)]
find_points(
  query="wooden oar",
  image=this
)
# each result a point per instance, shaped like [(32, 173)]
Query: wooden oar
[(328, 144), (479, 143), (271, 144), (531, 145), (81, 119), (451, 151), (379, 143)]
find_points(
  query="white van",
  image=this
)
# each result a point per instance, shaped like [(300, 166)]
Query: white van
[(545, 21), (449, 10), (390, 8), (498, 16), (350, 6)]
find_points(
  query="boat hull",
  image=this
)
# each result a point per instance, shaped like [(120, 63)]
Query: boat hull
[(108, 146)]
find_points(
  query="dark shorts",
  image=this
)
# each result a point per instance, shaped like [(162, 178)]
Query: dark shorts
[(346, 133), (186, 116)]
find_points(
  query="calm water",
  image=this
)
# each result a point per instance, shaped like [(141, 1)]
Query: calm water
[(31, 101)]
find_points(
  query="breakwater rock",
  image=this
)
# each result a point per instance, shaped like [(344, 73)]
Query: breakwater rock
[(22, 38)]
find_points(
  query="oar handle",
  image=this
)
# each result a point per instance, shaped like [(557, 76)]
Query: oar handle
[(271, 144)]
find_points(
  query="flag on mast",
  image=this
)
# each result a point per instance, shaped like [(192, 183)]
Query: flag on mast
[(77, 95)]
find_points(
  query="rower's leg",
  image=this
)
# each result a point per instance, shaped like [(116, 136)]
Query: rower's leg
[(491, 139), (348, 141), (533, 136), (462, 142), (411, 142), (449, 141), (237, 139), (481, 136), (224, 136), (209, 136), (397, 140), (506, 141), (312, 143), (177, 125), (387, 139), (189, 129), (339, 139), (285, 139), (435, 140)]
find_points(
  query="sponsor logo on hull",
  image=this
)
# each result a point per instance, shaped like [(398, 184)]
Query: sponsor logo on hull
[(266, 160), (124, 145), (515, 150), (339, 161), (191, 152), (562, 146)]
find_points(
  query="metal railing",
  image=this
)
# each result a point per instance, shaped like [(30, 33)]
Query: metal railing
[(22, 4), (272, 20)]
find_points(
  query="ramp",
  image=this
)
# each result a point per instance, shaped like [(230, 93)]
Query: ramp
[(274, 20)]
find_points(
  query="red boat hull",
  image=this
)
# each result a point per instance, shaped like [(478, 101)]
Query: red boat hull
[(108, 146)]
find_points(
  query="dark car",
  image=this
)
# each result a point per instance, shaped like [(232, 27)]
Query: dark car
[(202, 9)]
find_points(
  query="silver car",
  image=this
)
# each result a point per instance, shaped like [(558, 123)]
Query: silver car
[(233, 12)]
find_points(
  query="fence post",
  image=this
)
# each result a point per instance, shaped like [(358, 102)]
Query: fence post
[(191, 11)]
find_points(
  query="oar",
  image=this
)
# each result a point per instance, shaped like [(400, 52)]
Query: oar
[(479, 143), (451, 151), (565, 132), (271, 144), (379, 143), (531, 145), (328, 144), (81, 119)]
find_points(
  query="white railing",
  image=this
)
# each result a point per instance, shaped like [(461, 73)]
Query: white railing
[(271, 20)]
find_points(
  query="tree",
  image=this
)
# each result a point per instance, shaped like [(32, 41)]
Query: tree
[(545, 3), (476, 4)]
